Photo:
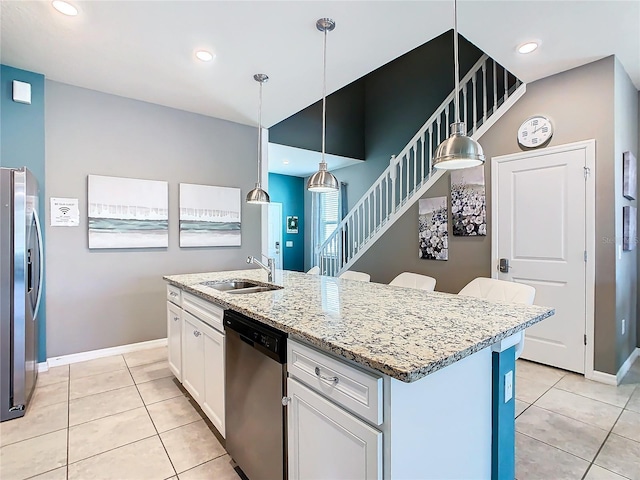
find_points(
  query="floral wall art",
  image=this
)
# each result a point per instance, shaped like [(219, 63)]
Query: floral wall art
[(468, 209), (433, 237), (209, 216), (127, 212)]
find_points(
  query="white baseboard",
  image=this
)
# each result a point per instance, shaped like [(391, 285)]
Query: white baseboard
[(104, 352), (43, 367), (602, 377), (627, 365), (611, 379)]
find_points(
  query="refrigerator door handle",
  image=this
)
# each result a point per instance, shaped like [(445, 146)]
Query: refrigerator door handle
[(40, 263)]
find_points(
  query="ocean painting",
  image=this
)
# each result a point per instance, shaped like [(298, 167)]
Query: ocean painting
[(128, 213), (209, 216)]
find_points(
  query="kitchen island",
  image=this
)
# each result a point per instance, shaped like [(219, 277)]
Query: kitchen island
[(443, 362)]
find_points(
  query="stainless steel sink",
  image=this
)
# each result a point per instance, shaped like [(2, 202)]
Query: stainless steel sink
[(232, 285), (240, 287), (257, 289)]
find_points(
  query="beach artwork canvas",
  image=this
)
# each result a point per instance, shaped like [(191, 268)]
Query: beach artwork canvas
[(209, 216), (433, 236), (468, 202), (127, 212)]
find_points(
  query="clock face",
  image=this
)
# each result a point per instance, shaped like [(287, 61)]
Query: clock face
[(535, 132)]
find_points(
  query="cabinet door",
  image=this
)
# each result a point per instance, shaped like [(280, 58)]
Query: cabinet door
[(174, 339), (326, 441), (193, 356), (213, 404)]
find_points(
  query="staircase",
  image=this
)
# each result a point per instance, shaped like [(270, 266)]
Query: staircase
[(486, 93)]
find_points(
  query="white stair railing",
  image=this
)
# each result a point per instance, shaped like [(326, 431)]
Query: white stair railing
[(486, 91)]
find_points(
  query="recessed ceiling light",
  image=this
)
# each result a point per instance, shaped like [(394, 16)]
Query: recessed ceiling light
[(204, 55), (528, 47), (285, 162), (65, 8)]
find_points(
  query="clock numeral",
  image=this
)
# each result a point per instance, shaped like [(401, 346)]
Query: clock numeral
[(534, 140), (525, 134), (534, 122), (545, 129)]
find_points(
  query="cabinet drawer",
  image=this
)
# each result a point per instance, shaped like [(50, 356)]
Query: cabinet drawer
[(206, 311), (174, 295), (354, 389)]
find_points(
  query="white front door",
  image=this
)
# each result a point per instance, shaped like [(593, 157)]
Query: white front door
[(275, 233), (540, 228)]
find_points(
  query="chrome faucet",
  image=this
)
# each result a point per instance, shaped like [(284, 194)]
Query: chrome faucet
[(270, 267)]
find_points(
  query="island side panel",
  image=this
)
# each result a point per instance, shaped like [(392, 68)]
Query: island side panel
[(503, 451), (440, 425)]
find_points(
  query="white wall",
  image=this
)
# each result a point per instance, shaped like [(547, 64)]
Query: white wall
[(104, 298)]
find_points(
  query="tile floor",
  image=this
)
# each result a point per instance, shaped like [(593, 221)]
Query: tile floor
[(571, 428), (121, 417), (124, 417)]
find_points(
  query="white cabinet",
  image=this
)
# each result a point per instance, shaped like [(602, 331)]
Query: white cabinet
[(213, 402), (203, 367), (325, 441), (193, 356), (174, 339)]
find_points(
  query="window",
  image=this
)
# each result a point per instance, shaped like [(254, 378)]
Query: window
[(327, 216)]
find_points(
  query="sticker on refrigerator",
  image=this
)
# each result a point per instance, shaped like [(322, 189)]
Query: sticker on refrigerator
[(64, 212)]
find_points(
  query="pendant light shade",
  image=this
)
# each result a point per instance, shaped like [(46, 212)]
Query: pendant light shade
[(459, 150), (258, 195), (323, 180)]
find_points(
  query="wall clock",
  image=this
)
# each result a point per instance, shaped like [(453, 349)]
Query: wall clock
[(535, 132)]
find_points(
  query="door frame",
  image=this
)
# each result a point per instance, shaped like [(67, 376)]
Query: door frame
[(280, 207), (589, 146)]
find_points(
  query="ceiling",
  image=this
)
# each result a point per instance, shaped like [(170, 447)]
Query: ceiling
[(145, 49), (302, 163)]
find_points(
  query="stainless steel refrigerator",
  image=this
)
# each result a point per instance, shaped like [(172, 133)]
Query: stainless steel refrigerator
[(21, 280)]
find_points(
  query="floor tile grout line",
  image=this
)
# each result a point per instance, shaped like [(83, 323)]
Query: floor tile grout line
[(203, 463), (106, 416), (111, 449), (591, 398), (35, 436), (603, 443), (570, 418), (155, 428), (557, 448)]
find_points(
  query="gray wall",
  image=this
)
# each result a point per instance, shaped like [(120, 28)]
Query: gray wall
[(581, 104), (104, 298), (626, 139)]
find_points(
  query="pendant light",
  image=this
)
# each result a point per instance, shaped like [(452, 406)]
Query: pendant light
[(459, 150), (323, 180), (258, 195)]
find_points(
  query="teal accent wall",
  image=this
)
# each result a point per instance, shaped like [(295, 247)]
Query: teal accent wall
[(289, 191), (503, 449), (22, 144)]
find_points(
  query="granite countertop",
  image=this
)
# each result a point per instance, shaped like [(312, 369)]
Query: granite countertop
[(401, 332)]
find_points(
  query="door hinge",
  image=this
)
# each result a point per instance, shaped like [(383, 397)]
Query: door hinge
[(587, 172), (585, 255), (585, 339)]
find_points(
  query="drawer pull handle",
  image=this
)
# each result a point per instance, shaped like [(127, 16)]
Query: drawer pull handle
[(196, 333), (333, 380), (175, 319), (173, 294)]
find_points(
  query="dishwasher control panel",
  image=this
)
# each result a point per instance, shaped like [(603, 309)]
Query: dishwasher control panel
[(270, 340)]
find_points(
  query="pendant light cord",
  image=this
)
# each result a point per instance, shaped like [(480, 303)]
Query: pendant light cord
[(260, 137), (455, 59), (324, 94)]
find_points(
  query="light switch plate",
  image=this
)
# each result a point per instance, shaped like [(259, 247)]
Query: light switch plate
[(289, 243), (508, 386), (21, 92)]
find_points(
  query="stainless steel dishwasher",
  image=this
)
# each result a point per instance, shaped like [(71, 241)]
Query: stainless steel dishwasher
[(255, 373)]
